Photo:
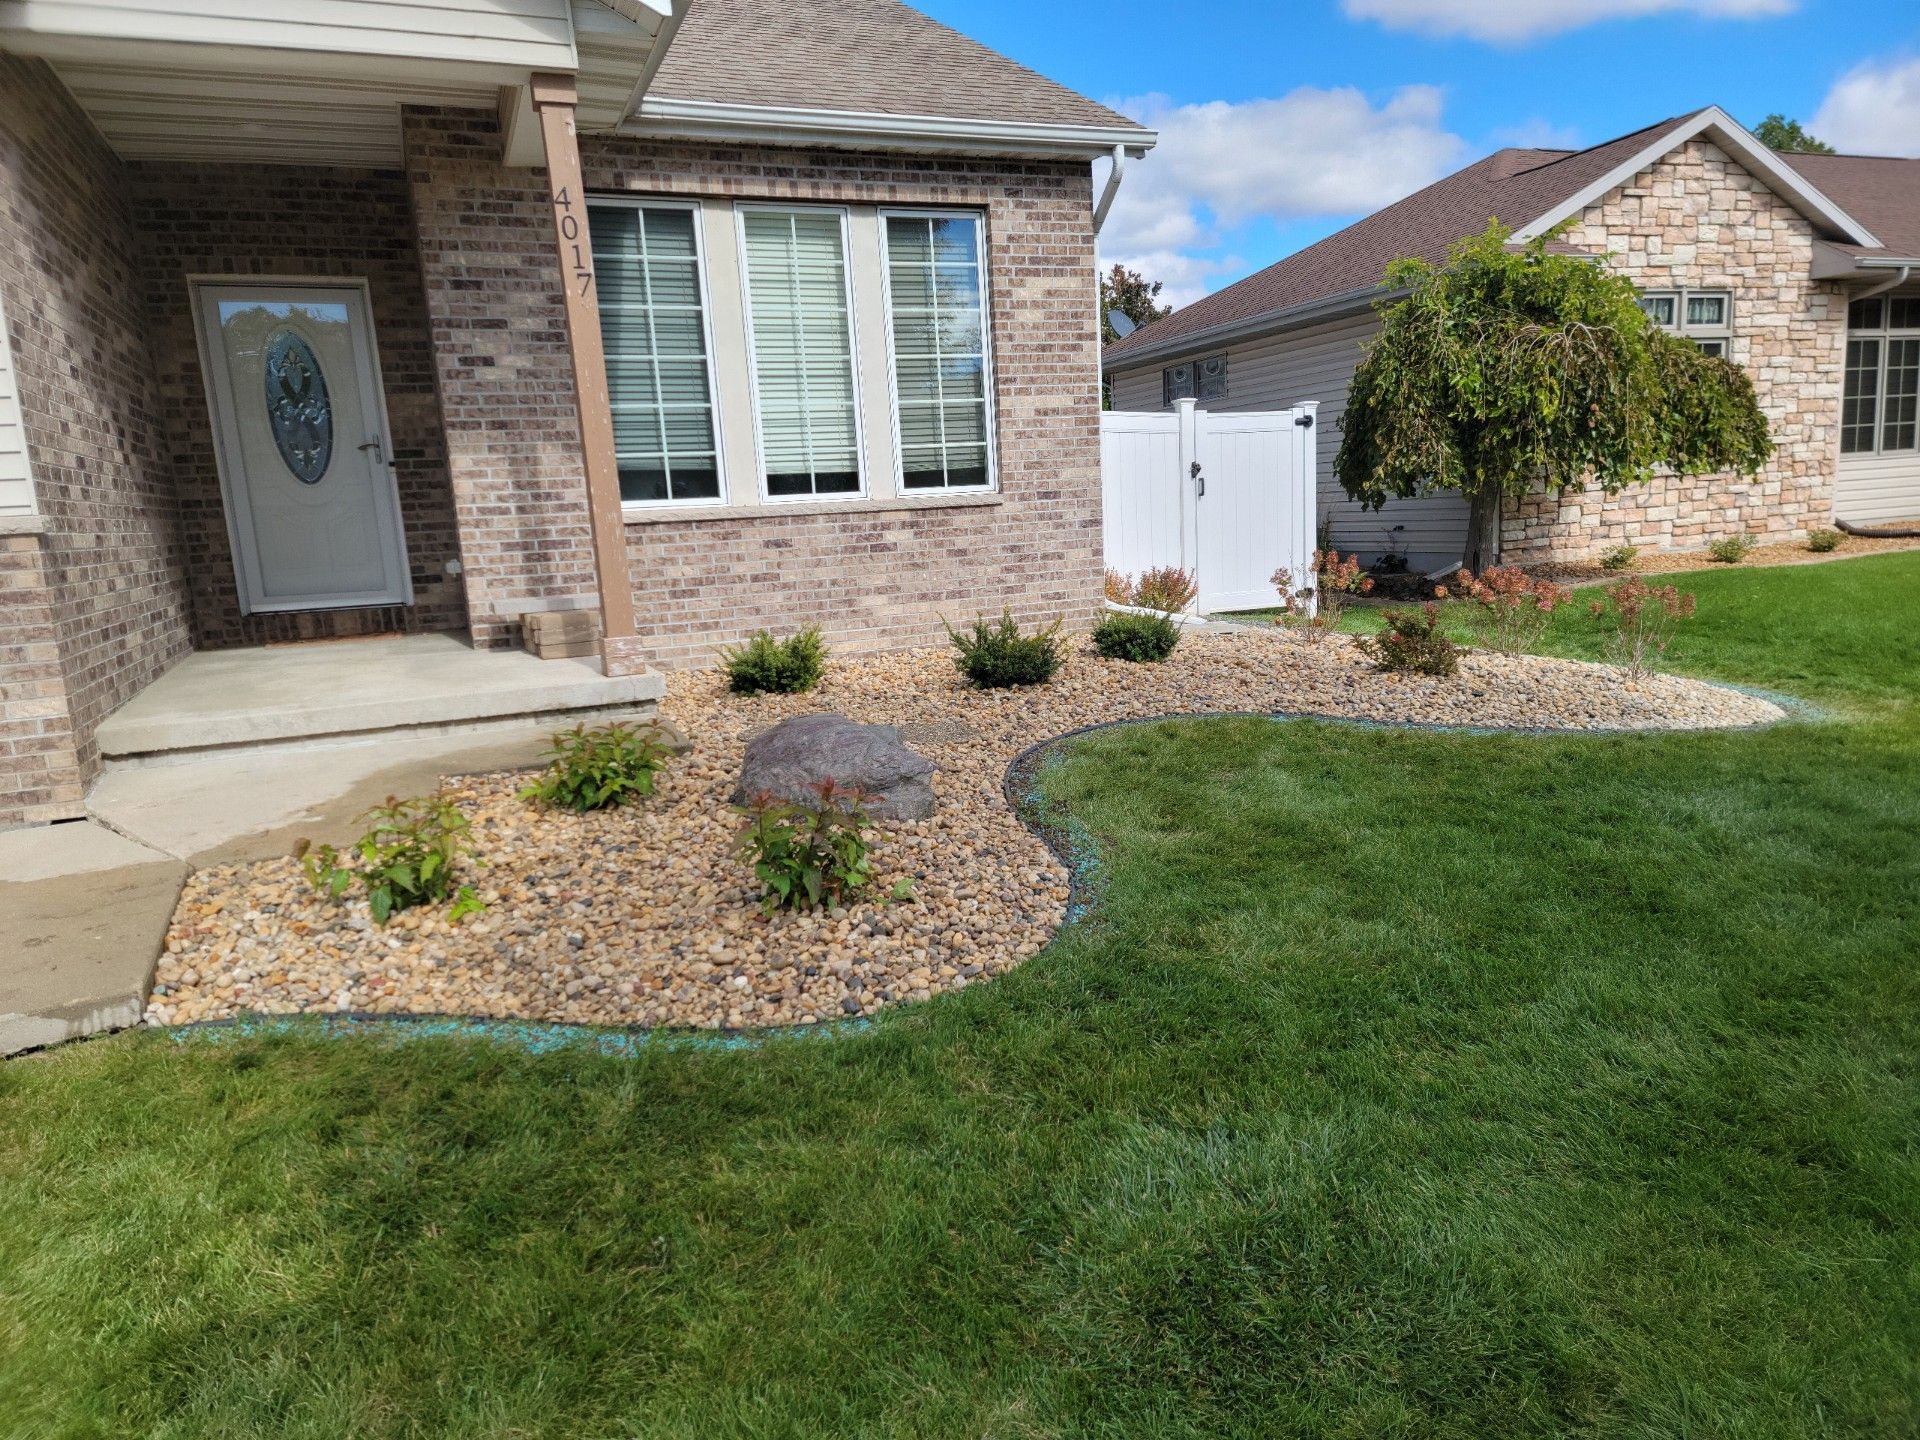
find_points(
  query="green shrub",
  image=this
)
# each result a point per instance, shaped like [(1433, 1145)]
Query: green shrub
[(1620, 557), (996, 654), (1136, 637), (1730, 549), (1413, 640), (764, 665), (810, 855), (408, 857), (1821, 541), (598, 768)]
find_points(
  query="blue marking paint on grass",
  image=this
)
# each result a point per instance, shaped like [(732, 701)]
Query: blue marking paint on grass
[(539, 1037)]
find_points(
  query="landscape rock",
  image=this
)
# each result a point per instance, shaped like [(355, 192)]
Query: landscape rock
[(790, 762)]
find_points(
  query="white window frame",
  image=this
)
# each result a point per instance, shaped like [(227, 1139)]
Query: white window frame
[(741, 209), (1884, 335), (597, 201), (1720, 335), (986, 356)]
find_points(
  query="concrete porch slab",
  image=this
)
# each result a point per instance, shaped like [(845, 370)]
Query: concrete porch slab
[(83, 913), (280, 693)]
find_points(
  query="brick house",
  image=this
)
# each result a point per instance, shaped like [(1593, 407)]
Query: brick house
[(1799, 267), (684, 317)]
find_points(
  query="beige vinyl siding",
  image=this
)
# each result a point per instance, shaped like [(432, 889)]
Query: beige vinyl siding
[(16, 482), (1317, 364), (530, 33)]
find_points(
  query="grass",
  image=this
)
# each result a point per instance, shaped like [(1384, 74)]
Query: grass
[(1403, 1085)]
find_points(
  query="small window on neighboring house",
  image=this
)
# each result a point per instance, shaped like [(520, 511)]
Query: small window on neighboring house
[(1204, 379), (659, 373), (1702, 316), (1880, 397)]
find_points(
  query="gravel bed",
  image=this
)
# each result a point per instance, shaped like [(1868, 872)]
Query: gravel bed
[(642, 916)]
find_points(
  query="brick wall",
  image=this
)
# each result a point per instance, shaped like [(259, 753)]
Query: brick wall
[(1699, 220), (110, 563), (871, 578), (40, 776), (304, 222)]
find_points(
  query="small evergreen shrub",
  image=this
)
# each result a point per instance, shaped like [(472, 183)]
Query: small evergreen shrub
[(810, 855), (1621, 557), (1136, 637), (409, 856), (1730, 549), (1821, 541), (1413, 641), (599, 768), (996, 653), (1166, 588), (763, 665)]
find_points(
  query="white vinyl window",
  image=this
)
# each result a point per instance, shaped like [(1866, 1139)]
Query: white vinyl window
[(654, 328), (800, 328), (1880, 404), (1702, 316), (938, 347)]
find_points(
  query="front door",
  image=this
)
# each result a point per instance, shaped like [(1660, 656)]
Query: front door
[(293, 380)]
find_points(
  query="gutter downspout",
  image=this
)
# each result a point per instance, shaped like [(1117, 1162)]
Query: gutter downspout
[(1881, 289), (1112, 188)]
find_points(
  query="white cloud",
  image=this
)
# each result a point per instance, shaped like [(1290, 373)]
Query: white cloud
[(1517, 21), (1538, 134), (1873, 109), (1183, 278), (1307, 154)]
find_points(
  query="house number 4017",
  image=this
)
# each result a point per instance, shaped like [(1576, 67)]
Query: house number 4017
[(569, 226)]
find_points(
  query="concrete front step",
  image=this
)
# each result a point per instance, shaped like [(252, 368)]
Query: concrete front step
[(297, 695)]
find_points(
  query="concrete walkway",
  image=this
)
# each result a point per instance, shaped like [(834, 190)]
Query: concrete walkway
[(83, 912), (85, 906)]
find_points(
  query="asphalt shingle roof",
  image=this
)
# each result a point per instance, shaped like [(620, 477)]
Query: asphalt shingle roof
[(868, 56), (1882, 194)]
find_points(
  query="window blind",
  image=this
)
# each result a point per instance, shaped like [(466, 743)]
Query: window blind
[(658, 370), (796, 264), (939, 350)]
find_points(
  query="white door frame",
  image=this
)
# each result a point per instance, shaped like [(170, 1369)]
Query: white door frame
[(231, 464)]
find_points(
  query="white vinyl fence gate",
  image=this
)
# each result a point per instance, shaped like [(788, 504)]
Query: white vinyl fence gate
[(1229, 498)]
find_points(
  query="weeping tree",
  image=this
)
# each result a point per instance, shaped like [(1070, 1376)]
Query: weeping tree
[(1511, 369)]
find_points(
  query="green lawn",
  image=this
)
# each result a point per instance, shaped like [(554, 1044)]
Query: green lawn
[(1403, 1085)]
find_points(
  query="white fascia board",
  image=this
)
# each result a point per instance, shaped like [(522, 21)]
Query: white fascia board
[(1252, 327), (717, 120), (1733, 137)]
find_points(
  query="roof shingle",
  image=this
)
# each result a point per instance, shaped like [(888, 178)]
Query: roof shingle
[(867, 56)]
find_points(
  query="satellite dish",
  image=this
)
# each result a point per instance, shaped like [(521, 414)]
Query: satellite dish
[(1121, 322)]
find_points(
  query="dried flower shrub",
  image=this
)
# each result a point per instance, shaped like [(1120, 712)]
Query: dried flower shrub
[(1313, 609), (1511, 608), (1643, 618)]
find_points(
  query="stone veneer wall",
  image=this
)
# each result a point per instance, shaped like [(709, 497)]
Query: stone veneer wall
[(303, 222), (873, 578), (100, 594), (1699, 220)]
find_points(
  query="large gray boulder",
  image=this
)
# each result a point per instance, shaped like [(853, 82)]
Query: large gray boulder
[(789, 761)]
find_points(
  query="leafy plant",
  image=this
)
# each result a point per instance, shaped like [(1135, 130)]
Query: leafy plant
[(1119, 586), (811, 855), (1314, 609), (408, 856), (1513, 367), (1821, 541), (1512, 608), (997, 653), (763, 665), (1166, 588), (1413, 640), (1620, 557), (1136, 637), (1730, 549), (1644, 618), (593, 769)]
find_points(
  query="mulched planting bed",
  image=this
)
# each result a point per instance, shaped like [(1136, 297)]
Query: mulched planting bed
[(643, 915), (1675, 562)]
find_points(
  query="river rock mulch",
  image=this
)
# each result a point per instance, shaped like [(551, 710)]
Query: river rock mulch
[(643, 916)]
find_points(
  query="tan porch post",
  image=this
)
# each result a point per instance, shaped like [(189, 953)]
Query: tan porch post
[(554, 98)]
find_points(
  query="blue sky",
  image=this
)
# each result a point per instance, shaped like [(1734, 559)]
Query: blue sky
[(1284, 119)]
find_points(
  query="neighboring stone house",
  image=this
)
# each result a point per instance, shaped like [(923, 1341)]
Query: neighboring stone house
[(692, 316), (1800, 268)]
